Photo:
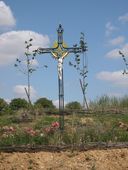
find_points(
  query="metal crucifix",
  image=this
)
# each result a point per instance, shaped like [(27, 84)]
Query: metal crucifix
[(59, 52)]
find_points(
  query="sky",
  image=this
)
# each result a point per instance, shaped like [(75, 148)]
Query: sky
[(104, 24)]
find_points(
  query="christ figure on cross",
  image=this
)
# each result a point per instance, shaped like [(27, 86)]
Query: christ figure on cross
[(60, 67)]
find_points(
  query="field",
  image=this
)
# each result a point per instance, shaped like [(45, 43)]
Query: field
[(24, 128), (79, 129)]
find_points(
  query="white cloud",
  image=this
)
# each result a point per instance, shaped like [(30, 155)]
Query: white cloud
[(117, 41), (116, 78), (123, 18), (19, 91), (6, 16), (56, 103), (12, 44), (115, 52), (8, 100), (125, 50), (109, 28)]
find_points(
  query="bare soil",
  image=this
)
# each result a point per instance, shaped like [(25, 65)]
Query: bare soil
[(111, 159)]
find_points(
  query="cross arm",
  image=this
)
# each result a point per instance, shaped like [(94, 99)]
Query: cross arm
[(77, 49), (44, 50), (74, 50)]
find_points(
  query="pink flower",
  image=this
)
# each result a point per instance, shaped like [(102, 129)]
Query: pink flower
[(55, 124), (30, 131), (50, 130), (11, 129), (8, 129)]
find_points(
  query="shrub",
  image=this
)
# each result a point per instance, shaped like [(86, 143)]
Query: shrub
[(3, 104), (45, 103), (18, 103), (73, 105)]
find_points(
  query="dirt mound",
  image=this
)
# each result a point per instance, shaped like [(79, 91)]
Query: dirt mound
[(114, 159)]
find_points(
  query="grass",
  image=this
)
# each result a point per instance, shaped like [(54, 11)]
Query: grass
[(79, 129), (4, 120), (45, 121)]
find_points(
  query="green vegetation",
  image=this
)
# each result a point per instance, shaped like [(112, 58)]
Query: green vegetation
[(23, 127), (73, 105), (44, 103), (106, 102), (18, 103), (3, 104), (79, 129)]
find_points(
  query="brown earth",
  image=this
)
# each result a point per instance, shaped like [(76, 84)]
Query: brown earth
[(113, 159)]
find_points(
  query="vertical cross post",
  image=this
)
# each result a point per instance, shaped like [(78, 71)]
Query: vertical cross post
[(59, 51), (61, 101)]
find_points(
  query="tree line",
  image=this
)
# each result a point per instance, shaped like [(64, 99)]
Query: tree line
[(20, 103)]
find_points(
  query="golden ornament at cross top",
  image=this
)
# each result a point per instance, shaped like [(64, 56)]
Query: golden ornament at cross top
[(59, 51)]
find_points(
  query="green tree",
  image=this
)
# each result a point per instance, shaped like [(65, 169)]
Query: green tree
[(18, 103), (27, 69), (45, 103), (25, 65), (3, 104), (73, 105), (81, 67)]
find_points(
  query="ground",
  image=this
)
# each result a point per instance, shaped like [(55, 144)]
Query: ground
[(111, 159)]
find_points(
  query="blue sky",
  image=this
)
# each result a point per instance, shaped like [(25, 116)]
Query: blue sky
[(105, 26)]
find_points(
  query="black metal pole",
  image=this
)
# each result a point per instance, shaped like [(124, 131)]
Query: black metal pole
[(61, 102)]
